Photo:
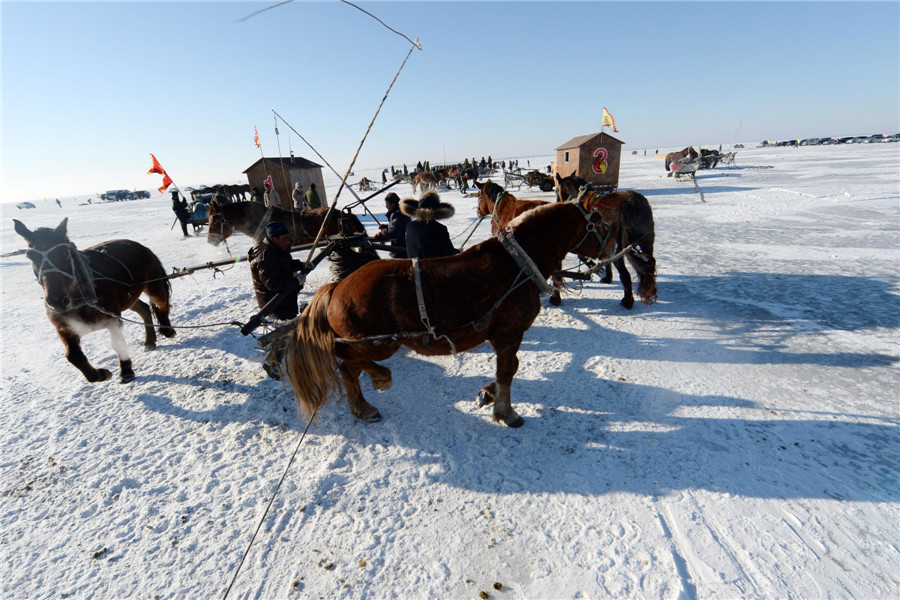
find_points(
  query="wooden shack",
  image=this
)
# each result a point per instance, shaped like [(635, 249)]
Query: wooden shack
[(285, 172), (594, 157)]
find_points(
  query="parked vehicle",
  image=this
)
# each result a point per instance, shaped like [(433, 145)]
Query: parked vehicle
[(22, 205)]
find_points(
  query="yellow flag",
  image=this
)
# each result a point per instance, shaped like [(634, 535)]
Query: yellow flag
[(608, 120)]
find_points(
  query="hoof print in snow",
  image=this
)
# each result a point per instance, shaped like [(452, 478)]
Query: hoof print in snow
[(99, 554)]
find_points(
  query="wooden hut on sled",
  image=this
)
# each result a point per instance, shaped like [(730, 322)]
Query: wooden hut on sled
[(594, 157), (285, 172)]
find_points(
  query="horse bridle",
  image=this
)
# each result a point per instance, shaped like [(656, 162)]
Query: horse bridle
[(77, 265)]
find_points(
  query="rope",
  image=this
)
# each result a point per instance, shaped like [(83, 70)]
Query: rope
[(271, 500)]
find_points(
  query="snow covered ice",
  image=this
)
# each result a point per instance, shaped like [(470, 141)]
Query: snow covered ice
[(739, 438)]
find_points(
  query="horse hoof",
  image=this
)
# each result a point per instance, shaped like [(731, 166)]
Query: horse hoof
[(628, 303), (369, 416), (126, 377), (514, 422), (103, 375), (483, 399), (167, 332), (149, 347), (606, 280), (555, 299)]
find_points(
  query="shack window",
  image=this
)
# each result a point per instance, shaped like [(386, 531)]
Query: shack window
[(567, 157)]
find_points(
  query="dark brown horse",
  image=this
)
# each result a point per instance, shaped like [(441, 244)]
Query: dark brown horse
[(250, 218), (630, 218), (674, 157), (87, 291), (487, 293)]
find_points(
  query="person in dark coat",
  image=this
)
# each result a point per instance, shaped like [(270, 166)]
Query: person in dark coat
[(425, 237), (394, 231), (272, 269), (180, 208)]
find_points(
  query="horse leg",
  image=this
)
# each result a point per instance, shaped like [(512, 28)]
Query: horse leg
[(117, 340), (507, 365), (358, 406), (74, 355), (158, 292), (558, 284), (607, 274), (625, 277), (141, 308), (379, 376)]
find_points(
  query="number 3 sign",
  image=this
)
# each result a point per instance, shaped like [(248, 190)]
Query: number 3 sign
[(600, 165)]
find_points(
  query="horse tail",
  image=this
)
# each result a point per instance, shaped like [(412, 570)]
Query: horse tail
[(637, 219), (159, 290), (311, 364)]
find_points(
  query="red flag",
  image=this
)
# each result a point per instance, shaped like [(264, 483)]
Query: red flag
[(157, 168), (268, 181), (255, 136)]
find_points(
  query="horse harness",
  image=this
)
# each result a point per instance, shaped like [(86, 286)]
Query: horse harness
[(79, 271)]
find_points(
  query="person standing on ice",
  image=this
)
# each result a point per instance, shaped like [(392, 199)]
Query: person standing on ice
[(299, 197), (272, 196), (394, 231), (425, 237), (312, 197), (180, 208)]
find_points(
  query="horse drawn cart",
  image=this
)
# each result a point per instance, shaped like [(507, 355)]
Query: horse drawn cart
[(533, 178)]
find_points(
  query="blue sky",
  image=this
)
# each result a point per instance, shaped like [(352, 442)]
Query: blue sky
[(90, 89)]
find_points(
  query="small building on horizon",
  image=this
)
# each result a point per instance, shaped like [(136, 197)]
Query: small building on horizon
[(594, 157), (285, 172)]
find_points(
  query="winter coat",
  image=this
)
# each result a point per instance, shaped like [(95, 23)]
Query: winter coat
[(312, 198), (179, 207), (299, 199), (273, 198), (428, 239), (272, 270), (395, 231)]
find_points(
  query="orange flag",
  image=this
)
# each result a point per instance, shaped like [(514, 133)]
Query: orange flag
[(255, 136), (157, 168)]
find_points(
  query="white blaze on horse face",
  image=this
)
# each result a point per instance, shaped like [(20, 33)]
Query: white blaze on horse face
[(117, 340)]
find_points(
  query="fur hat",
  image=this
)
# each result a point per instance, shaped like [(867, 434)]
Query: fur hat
[(429, 208), (276, 228)]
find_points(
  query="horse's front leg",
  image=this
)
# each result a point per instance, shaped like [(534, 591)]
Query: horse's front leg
[(361, 409), (117, 340), (74, 355), (507, 350), (141, 308), (625, 277)]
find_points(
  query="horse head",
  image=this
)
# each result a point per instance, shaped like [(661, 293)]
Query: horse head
[(488, 192), (568, 187), (58, 266), (219, 228)]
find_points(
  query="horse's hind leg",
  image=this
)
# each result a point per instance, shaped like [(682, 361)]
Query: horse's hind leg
[(158, 292), (74, 355), (358, 406), (625, 277), (141, 308), (117, 340), (379, 376)]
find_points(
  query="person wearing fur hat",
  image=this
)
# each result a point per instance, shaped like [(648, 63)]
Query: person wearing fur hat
[(425, 237), (272, 269), (394, 231)]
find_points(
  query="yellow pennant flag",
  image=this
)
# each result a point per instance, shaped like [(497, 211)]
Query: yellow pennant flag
[(608, 120)]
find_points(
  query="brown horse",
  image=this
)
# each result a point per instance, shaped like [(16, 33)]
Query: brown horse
[(87, 291), (250, 218), (674, 157), (425, 181), (487, 293), (503, 207), (631, 221)]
